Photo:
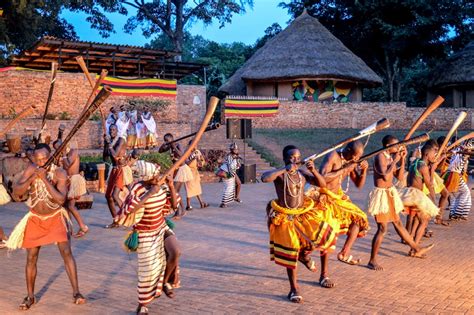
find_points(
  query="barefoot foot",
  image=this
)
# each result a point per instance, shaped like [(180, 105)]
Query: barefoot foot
[(374, 266)]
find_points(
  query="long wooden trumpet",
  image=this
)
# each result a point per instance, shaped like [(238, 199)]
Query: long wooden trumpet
[(99, 99), (54, 72), (418, 139), (433, 106), (454, 127), (210, 127), (20, 116), (375, 127), (95, 87), (460, 141)]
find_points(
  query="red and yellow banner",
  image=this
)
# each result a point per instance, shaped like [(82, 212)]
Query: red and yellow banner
[(238, 108), (141, 87)]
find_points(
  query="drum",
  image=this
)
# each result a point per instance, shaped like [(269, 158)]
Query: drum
[(85, 202), (13, 142), (12, 169)]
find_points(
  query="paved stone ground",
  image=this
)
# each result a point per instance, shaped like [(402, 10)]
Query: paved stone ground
[(225, 268)]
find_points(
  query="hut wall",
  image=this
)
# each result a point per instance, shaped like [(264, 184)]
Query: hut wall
[(20, 89), (359, 115), (261, 89)]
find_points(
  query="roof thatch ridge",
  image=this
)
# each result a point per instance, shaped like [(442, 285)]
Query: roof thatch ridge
[(291, 54), (458, 69)]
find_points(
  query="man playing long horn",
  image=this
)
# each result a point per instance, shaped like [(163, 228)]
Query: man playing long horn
[(419, 204), (116, 148), (353, 221), (384, 201), (296, 228), (45, 223)]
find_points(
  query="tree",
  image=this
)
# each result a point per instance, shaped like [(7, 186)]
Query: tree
[(23, 22), (170, 17), (393, 35)]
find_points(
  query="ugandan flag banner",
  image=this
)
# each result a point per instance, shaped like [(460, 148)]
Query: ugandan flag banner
[(241, 108), (141, 87)]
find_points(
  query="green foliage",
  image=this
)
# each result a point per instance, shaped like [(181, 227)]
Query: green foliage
[(266, 154), (163, 159), (24, 21), (91, 158), (51, 116), (64, 116), (396, 37), (95, 117)]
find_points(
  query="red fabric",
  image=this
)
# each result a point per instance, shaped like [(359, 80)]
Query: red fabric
[(115, 180), (40, 232)]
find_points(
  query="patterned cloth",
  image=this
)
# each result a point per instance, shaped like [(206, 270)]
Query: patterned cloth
[(230, 165), (151, 247), (460, 201), (295, 230)]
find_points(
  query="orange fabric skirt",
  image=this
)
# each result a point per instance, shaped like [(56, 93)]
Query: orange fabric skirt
[(40, 232)]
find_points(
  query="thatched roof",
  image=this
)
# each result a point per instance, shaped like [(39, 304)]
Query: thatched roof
[(305, 49), (457, 70)]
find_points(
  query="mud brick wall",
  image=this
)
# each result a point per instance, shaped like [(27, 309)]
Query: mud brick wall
[(90, 135), (20, 89), (359, 115)]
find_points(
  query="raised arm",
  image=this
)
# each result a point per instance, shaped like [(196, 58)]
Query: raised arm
[(59, 191), (313, 176), (359, 177), (270, 176), (384, 169), (115, 152), (70, 158), (21, 186)]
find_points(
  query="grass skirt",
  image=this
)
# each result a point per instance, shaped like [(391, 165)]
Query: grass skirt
[(415, 198)]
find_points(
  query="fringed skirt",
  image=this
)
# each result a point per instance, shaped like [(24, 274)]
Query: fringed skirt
[(292, 233), (460, 201), (385, 204), (415, 198), (151, 265), (77, 186), (184, 174), (228, 194)]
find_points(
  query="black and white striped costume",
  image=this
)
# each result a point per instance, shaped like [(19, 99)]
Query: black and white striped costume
[(460, 201), (230, 165)]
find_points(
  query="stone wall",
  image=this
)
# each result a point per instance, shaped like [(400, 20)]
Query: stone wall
[(20, 89), (90, 135), (359, 115)]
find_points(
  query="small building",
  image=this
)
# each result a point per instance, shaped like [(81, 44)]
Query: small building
[(454, 79), (303, 62)]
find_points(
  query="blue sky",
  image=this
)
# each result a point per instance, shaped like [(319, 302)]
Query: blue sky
[(246, 28)]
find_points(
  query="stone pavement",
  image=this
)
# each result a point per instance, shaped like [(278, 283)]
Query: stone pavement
[(225, 268)]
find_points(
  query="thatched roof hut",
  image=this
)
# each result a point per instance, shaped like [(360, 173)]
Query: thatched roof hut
[(457, 70), (305, 50), (454, 79)]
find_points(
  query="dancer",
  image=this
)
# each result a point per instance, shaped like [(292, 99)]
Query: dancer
[(116, 148), (385, 203), (45, 223), (232, 183), (193, 187), (150, 124), (456, 182), (77, 185), (183, 174), (147, 196), (420, 206), (295, 226), (353, 221)]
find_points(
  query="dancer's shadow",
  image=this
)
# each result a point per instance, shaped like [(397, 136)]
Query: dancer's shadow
[(225, 226), (78, 251)]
